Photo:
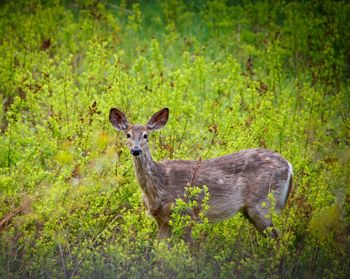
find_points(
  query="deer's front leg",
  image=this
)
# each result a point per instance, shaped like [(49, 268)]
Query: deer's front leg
[(164, 230), (162, 216)]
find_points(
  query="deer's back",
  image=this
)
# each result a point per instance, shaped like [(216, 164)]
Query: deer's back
[(234, 181)]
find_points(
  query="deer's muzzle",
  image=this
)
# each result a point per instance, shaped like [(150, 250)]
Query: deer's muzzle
[(136, 151)]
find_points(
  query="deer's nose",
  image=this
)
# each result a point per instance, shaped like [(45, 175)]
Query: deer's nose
[(136, 151)]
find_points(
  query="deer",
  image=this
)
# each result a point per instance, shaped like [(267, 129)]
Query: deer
[(238, 182)]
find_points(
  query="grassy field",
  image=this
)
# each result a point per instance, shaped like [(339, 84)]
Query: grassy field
[(234, 74)]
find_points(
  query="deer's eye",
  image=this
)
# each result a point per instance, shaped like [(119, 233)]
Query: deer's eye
[(145, 136), (128, 135)]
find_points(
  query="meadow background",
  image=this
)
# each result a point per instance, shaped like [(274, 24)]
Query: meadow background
[(235, 75)]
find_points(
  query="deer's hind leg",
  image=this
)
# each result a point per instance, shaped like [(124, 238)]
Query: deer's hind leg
[(260, 217)]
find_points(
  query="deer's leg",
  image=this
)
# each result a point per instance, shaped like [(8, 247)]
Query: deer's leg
[(261, 220), (164, 230), (246, 215), (162, 217)]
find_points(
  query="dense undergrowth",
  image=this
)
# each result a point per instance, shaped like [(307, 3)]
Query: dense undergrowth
[(235, 75)]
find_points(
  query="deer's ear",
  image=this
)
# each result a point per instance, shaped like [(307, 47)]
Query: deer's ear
[(158, 120), (118, 119)]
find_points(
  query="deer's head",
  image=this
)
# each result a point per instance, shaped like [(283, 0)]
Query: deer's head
[(137, 135)]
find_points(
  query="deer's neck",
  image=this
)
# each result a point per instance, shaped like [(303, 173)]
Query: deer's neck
[(148, 175)]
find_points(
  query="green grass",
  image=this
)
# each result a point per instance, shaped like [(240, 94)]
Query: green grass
[(235, 75)]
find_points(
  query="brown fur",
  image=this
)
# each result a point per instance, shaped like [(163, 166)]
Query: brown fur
[(237, 182)]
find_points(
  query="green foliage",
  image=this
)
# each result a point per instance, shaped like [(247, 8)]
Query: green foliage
[(188, 211), (235, 75)]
